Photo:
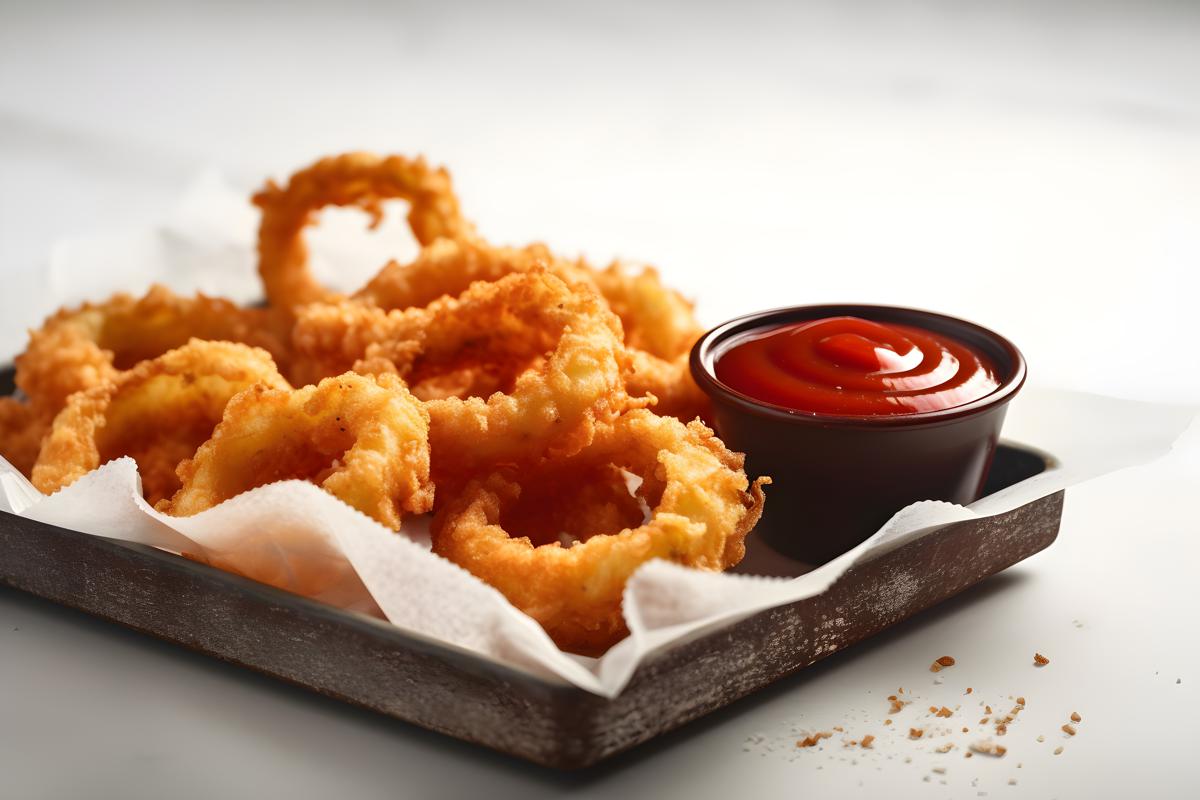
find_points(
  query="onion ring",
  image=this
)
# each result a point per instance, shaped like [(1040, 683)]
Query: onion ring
[(159, 412), (701, 508), (352, 179), (364, 440), (21, 432), (553, 370), (80, 348)]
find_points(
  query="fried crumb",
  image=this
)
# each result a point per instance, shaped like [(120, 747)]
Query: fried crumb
[(984, 721), (916, 733), (1068, 729), (1021, 701), (1040, 660), (969, 690), (867, 740), (1058, 751), (944, 712), (989, 748), (1012, 781), (839, 729), (887, 722), (940, 664), (965, 729), (933, 709), (987, 709), (897, 704), (968, 754), (1001, 729), (1041, 738), (946, 748), (813, 739), (1075, 717), (940, 770)]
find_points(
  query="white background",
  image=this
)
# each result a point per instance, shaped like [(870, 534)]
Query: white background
[(1034, 167)]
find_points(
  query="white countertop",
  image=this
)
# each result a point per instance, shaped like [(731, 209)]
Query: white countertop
[(1035, 169)]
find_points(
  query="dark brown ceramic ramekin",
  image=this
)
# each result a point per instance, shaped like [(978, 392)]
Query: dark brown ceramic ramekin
[(837, 479)]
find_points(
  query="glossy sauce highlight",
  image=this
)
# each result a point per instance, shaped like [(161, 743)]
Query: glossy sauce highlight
[(847, 366)]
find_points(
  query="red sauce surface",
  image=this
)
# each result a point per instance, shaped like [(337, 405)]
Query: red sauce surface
[(854, 367)]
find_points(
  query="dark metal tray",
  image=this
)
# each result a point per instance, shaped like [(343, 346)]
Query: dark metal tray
[(371, 663)]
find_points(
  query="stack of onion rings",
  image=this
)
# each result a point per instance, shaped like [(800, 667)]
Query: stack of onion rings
[(659, 326), (512, 379)]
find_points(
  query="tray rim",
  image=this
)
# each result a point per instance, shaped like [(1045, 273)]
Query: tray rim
[(380, 628), (397, 636)]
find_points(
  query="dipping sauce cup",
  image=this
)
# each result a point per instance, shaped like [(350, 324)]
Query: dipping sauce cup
[(840, 473)]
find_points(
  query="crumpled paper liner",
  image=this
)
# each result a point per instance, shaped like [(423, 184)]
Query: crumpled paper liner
[(294, 536)]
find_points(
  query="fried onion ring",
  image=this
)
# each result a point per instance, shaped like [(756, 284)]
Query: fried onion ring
[(547, 357), (87, 346), (501, 526), (352, 179), (363, 439), (159, 412), (21, 432)]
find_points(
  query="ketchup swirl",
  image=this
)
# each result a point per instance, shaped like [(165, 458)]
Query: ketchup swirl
[(848, 366)]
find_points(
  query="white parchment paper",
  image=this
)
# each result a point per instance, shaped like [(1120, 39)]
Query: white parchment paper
[(297, 537)]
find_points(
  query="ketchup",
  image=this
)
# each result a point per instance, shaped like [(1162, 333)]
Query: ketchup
[(849, 366)]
